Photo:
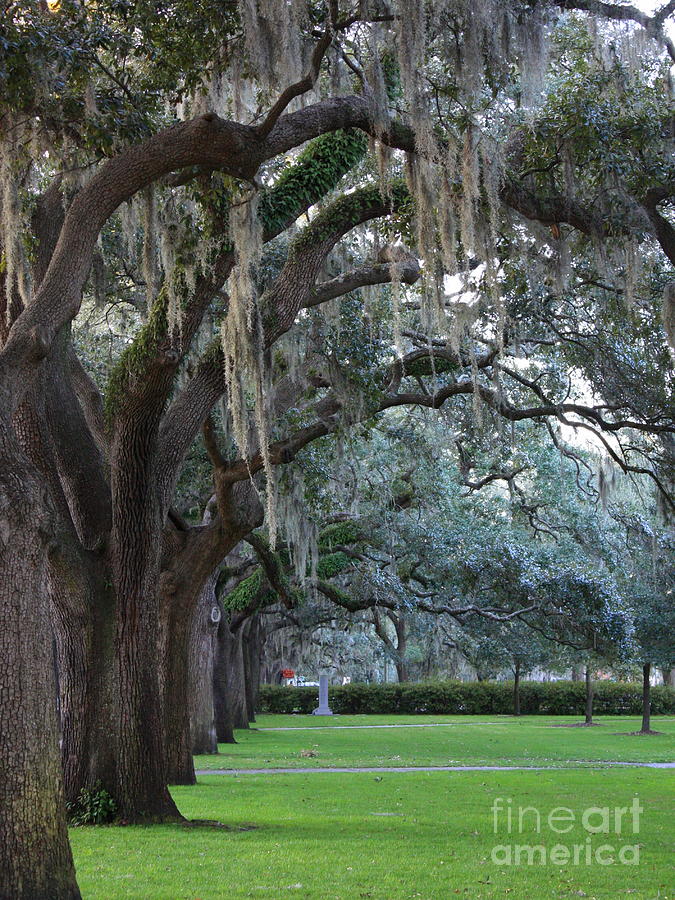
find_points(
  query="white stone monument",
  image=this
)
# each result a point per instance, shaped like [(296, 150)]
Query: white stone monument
[(323, 708)]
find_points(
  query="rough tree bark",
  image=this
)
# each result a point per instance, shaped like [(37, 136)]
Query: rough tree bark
[(35, 857), (83, 614), (142, 794)]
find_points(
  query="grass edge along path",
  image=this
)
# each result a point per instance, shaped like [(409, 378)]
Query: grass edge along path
[(527, 741)]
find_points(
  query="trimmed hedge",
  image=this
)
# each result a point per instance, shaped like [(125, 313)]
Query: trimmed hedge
[(552, 698)]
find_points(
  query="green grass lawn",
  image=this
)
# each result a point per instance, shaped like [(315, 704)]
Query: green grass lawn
[(396, 836), (468, 740)]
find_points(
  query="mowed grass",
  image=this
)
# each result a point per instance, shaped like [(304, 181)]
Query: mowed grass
[(464, 740), (426, 835)]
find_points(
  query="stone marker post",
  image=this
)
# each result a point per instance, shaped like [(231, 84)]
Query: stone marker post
[(323, 709)]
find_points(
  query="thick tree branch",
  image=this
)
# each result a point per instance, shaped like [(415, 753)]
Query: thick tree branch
[(272, 568), (379, 273), (307, 82)]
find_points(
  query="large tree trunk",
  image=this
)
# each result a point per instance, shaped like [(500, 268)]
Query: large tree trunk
[(35, 858), (188, 585), (49, 424), (251, 650), (589, 697), (516, 689), (202, 654), (256, 651), (400, 625), (232, 650), (142, 793), (668, 677), (174, 670), (646, 700), (84, 617), (221, 699)]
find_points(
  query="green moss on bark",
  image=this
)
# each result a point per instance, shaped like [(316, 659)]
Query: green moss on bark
[(316, 172)]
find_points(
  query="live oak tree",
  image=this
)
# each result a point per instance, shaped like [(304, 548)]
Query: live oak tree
[(162, 110), (524, 573)]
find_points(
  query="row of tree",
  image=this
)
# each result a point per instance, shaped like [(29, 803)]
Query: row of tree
[(582, 586)]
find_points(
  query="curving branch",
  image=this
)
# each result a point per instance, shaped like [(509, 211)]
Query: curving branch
[(207, 142), (379, 273)]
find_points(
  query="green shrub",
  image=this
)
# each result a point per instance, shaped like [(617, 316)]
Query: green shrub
[(94, 806), (487, 698)]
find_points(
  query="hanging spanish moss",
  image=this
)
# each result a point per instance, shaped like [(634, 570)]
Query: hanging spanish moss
[(90, 106), (11, 243), (296, 525), (463, 314), (383, 157), (273, 31), (668, 313), (632, 269), (475, 379), (423, 183), (240, 327), (532, 55), (448, 208), (376, 83), (607, 480), (470, 191), (129, 220), (242, 343), (149, 222), (412, 46), (562, 263)]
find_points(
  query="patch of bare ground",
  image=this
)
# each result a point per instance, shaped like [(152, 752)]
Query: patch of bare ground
[(578, 725), (212, 823)]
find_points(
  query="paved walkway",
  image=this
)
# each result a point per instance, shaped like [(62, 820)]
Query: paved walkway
[(399, 725), (404, 769)]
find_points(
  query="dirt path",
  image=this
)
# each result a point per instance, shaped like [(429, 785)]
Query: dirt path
[(406, 769), (399, 725)]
